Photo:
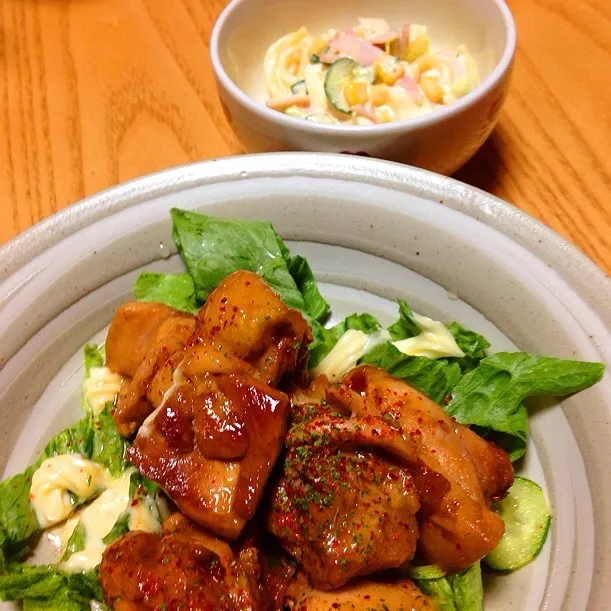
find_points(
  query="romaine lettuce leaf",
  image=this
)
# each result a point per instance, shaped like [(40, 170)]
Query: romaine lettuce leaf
[(174, 290), (435, 378), (94, 357), (462, 591), (471, 343), (141, 490), (109, 447), (46, 587), (491, 396), (316, 305), (212, 248), (76, 542), (406, 326)]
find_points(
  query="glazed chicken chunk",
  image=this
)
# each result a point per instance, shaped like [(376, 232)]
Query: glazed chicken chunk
[(340, 510), (244, 327), (182, 568), (361, 595), (457, 526), (212, 447)]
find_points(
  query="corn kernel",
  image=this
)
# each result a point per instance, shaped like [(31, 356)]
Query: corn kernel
[(428, 62), (379, 95), (432, 89), (389, 72), (386, 114), (355, 93)]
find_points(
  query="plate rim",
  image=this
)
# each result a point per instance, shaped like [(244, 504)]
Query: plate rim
[(584, 276)]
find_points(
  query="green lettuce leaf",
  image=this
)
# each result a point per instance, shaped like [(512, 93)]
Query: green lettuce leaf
[(440, 592), (109, 447), (406, 326), (76, 542), (471, 343), (174, 290), (94, 357), (491, 396), (316, 305), (120, 527), (325, 339), (46, 587), (212, 248), (462, 591), (435, 378)]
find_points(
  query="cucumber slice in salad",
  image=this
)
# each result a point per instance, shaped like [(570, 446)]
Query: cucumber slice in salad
[(299, 87), (527, 521), (340, 72)]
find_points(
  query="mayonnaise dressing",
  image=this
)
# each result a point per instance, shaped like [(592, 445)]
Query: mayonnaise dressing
[(60, 483), (351, 346), (435, 341), (98, 518), (101, 387)]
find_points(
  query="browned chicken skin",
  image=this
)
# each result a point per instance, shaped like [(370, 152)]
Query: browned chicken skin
[(138, 326), (360, 595), (183, 568), (212, 448), (340, 511), (141, 339), (244, 327)]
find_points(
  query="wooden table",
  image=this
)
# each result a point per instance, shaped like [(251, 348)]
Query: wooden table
[(96, 92)]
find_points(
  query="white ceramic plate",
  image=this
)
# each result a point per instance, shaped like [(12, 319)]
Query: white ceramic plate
[(373, 231)]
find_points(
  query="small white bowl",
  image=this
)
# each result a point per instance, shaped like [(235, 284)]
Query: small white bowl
[(441, 141)]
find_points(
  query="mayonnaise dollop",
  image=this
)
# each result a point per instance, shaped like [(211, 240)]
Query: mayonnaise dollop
[(61, 483), (434, 342), (101, 387)]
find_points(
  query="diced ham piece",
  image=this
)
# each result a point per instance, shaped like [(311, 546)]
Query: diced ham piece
[(362, 111), (358, 49), (411, 86), (403, 39)]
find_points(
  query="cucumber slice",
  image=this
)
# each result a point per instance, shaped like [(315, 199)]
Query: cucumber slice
[(527, 521), (340, 72), (299, 88), (430, 571)]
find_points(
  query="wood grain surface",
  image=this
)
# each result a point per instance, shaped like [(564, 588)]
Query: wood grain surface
[(95, 92)]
